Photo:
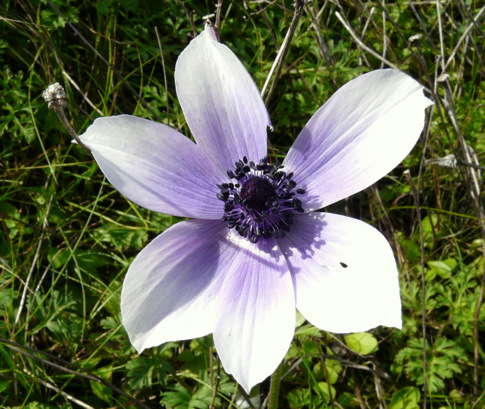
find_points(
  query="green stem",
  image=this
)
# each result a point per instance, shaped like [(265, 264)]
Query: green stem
[(274, 388)]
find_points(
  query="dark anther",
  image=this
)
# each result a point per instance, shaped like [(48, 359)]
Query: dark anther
[(262, 203)]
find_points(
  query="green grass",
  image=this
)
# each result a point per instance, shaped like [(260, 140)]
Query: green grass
[(67, 236)]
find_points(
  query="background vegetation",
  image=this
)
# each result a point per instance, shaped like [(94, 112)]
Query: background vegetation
[(67, 236)]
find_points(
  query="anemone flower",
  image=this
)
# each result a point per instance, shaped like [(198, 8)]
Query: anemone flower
[(256, 248)]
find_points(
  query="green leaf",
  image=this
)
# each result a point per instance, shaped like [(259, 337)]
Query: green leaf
[(406, 398), (5, 384), (333, 368), (442, 268), (362, 342), (182, 398), (300, 319), (102, 391), (141, 371), (299, 398), (348, 400), (328, 391), (308, 329)]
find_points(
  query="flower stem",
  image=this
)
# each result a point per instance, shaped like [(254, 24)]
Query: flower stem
[(281, 56), (274, 388), (56, 99)]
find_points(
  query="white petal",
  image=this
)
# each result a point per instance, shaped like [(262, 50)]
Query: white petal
[(156, 167), (171, 288), (344, 272), (221, 103), (255, 330), (365, 130)]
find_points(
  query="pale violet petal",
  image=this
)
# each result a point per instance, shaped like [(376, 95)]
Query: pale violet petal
[(221, 102), (345, 275), (256, 327), (172, 287), (156, 167), (361, 133)]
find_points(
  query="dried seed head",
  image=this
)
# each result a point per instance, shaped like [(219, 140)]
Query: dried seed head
[(55, 96)]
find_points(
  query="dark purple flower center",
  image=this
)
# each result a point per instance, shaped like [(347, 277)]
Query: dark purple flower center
[(257, 193), (261, 202)]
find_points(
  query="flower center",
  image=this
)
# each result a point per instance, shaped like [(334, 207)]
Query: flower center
[(261, 202), (257, 193)]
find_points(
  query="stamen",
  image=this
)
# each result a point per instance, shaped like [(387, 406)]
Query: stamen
[(262, 202)]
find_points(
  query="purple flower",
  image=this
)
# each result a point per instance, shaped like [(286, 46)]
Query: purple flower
[(255, 249)]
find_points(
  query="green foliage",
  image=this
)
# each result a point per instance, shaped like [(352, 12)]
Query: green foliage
[(141, 370), (14, 120), (406, 398), (53, 21), (362, 342), (182, 398), (67, 236), (442, 363)]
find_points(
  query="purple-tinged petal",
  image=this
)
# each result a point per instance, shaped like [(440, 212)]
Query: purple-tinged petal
[(172, 287), (255, 330), (361, 133), (156, 167), (221, 102), (344, 273)]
